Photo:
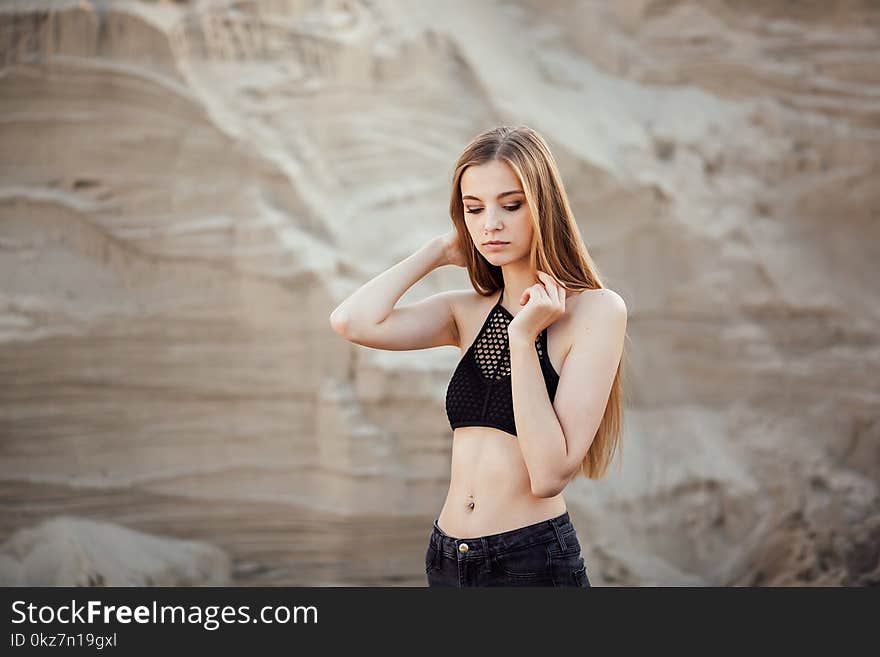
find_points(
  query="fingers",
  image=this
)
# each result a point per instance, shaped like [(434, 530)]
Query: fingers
[(553, 289), (539, 292)]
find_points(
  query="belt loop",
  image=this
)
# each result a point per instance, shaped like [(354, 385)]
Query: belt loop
[(439, 536), (559, 536), (487, 558)]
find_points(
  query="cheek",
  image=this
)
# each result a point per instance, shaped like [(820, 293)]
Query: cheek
[(524, 227)]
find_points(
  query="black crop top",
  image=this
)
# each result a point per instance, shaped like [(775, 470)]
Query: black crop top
[(479, 392)]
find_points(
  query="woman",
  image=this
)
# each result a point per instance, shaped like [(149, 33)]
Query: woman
[(537, 395)]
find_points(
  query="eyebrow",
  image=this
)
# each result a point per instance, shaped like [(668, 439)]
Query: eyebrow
[(501, 195)]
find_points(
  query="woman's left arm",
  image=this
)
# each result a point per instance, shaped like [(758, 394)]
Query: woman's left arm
[(554, 438)]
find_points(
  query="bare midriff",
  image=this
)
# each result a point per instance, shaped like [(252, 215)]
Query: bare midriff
[(489, 489)]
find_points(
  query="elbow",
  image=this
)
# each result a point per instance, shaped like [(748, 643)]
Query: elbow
[(343, 324), (339, 322), (547, 487), (551, 484)]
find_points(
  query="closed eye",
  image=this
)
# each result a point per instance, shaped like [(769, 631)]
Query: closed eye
[(509, 208)]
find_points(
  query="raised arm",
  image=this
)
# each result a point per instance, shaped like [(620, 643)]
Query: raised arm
[(368, 316)]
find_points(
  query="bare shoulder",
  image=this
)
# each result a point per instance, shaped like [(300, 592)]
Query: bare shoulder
[(469, 299), (468, 306), (602, 305)]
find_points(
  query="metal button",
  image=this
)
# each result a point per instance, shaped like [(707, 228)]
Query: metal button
[(463, 547)]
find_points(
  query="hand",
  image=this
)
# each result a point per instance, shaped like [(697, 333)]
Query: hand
[(452, 252), (544, 304)]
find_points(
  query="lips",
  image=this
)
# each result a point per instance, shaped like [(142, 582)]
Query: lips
[(495, 242)]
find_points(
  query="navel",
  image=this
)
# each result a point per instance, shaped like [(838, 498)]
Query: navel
[(471, 503)]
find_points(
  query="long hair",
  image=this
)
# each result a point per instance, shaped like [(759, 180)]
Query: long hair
[(557, 248)]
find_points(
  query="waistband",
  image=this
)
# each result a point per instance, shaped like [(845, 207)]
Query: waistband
[(545, 531)]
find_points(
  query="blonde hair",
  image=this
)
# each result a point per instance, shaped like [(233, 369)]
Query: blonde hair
[(557, 248)]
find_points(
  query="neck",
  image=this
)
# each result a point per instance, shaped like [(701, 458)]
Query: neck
[(516, 279)]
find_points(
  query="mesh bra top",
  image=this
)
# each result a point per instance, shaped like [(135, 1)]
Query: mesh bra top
[(479, 392)]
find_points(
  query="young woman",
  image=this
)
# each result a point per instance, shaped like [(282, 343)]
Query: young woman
[(537, 395)]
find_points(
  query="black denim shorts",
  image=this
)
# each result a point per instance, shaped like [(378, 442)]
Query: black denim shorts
[(546, 553)]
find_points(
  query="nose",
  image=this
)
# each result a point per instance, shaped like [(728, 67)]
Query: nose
[(493, 220)]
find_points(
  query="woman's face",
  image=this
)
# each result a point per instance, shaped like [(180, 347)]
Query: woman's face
[(495, 209)]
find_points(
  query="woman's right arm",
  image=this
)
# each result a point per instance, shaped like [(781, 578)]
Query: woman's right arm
[(368, 316)]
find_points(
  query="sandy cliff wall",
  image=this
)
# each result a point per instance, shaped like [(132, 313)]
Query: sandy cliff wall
[(187, 190)]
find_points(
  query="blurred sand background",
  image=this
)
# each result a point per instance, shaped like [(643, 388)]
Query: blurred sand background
[(187, 189)]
